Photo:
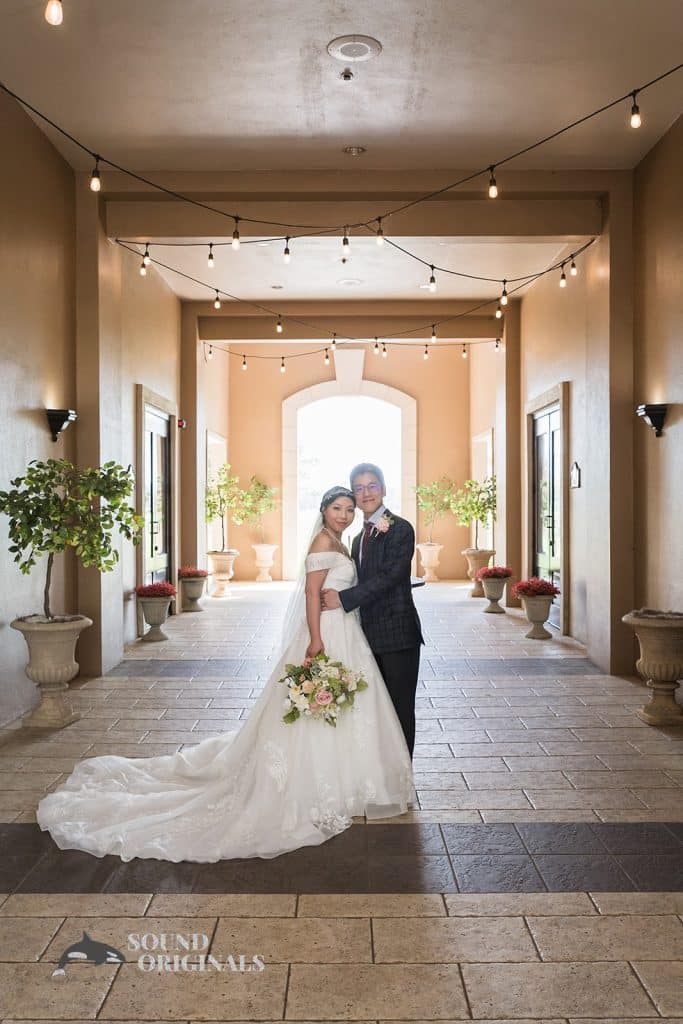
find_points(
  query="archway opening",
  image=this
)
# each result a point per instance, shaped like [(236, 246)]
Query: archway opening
[(333, 435)]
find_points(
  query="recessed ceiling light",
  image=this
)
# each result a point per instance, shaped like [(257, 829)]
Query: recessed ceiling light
[(354, 48), (277, 287), (354, 150), (349, 282)]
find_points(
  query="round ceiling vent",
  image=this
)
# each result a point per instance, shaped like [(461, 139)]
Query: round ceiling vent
[(351, 49)]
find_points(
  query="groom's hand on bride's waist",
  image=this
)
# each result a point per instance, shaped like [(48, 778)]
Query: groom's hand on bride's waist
[(329, 599)]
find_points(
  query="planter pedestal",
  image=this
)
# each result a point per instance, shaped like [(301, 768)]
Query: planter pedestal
[(191, 589), (660, 637), (222, 568), (155, 611), (494, 590), (265, 555), (477, 558), (537, 611), (52, 663), (429, 556)]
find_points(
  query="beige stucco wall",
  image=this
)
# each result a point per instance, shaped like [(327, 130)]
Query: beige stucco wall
[(37, 346), (440, 387), (659, 372)]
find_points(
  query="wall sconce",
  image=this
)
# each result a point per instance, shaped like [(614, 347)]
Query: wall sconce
[(59, 419), (654, 416)]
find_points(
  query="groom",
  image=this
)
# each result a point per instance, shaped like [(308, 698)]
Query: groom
[(383, 553)]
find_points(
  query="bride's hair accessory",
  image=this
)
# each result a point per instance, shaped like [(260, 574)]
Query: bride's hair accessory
[(334, 493), (320, 688)]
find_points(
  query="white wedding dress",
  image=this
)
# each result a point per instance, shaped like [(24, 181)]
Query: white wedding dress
[(260, 792)]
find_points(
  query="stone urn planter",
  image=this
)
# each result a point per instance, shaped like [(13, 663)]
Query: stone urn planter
[(477, 558), (536, 596), (429, 556), (155, 600), (265, 555), (192, 582), (660, 636), (222, 564), (51, 647), (493, 579)]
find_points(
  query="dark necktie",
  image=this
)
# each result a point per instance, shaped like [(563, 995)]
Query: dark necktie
[(367, 530)]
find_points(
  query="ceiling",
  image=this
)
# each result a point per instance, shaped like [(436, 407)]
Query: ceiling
[(317, 273), (228, 85)]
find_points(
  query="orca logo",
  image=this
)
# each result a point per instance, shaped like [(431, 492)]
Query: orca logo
[(88, 951)]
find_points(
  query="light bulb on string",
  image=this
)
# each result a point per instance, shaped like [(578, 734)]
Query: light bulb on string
[(217, 301), (282, 365), (376, 347), (346, 245), (426, 352), (143, 268), (464, 352), (278, 326), (286, 255), (334, 341), (327, 357), (95, 179), (380, 233), (499, 312), (244, 362), (497, 344), (504, 294), (493, 188), (433, 332), (236, 234), (573, 270), (210, 261), (54, 12), (385, 352), (147, 259), (563, 278), (636, 119), (209, 354), (432, 281)]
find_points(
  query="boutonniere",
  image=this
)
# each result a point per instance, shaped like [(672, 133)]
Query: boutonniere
[(383, 523)]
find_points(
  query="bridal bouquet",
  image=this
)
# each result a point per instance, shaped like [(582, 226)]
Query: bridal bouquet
[(320, 689)]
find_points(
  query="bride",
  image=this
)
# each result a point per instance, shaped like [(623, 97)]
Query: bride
[(271, 787)]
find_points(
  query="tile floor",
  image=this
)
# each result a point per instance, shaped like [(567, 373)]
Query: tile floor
[(540, 878)]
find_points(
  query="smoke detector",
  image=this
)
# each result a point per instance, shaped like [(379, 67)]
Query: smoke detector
[(352, 49)]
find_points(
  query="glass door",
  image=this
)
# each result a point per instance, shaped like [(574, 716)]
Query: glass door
[(547, 497), (157, 529)]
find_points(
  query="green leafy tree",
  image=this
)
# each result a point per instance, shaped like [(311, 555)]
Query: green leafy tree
[(223, 496), (256, 501), (475, 503), (435, 500), (56, 506)]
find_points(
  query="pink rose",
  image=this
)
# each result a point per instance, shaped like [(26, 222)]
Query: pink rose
[(308, 686), (324, 697)]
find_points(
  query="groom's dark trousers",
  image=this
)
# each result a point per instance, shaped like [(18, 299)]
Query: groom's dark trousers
[(388, 614)]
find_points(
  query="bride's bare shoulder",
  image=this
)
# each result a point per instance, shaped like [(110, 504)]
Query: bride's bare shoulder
[(322, 542)]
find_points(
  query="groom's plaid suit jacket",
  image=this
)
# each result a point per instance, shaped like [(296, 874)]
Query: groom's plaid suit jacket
[(383, 592)]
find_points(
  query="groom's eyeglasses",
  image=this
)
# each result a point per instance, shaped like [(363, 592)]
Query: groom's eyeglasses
[(360, 488)]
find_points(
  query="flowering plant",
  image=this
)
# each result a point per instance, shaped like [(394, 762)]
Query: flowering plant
[(383, 523), (534, 587), (190, 572), (156, 590), (320, 688), (494, 572)]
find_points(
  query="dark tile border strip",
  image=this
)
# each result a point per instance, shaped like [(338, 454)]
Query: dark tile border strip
[(411, 858)]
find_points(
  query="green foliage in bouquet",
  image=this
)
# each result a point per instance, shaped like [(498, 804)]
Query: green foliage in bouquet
[(320, 689)]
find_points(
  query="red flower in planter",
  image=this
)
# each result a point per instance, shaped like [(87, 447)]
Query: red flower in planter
[(190, 572), (534, 587), (156, 590), (494, 572)]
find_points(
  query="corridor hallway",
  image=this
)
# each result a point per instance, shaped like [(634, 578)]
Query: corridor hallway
[(539, 878)]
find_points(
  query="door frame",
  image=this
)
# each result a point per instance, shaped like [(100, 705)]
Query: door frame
[(558, 395), (145, 397)]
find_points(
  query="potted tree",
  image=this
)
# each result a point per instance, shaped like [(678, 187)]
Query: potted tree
[(434, 500), (55, 507), (660, 636), (536, 596), (493, 579), (476, 503), (192, 582), (223, 495), (155, 600), (255, 502)]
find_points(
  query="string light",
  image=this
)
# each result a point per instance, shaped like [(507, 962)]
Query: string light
[(143, 268), (147, 259), (278, 326), (236, 234), (286, 255), (636, 119), (464, 351), (54, 12), (433, 332), (334, 341), (217, 301), (573, 269), (497, 344), (244, 362), (210, 261), (209, 354), (376, 347), (384, 351), (346, 246), (327, 357), (380, 233), (499, 312), (563, 278), (432, 281), (95, 178), (426, 352), (493, 188), (504, 295), (282, 365)]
